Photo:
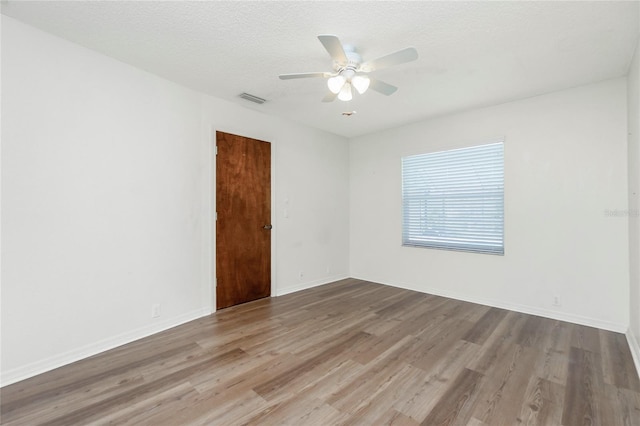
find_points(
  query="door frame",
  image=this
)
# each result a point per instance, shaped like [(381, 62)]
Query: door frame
[(210, 262)]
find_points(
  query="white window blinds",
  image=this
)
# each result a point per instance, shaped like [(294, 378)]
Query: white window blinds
[(454, 200)]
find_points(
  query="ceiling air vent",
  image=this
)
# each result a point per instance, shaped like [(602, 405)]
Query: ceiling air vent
[(252, 98)]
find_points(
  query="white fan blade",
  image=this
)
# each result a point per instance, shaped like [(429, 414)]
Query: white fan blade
[(382, 87), (334, 47), (305, 75), (330, 97), (400, 57)]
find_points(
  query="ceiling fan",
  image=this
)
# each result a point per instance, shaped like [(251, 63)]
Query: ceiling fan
[(350, 71)]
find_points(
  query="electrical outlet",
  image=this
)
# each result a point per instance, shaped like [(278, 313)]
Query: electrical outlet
[(301, 275), (557, 301), (155, 310)]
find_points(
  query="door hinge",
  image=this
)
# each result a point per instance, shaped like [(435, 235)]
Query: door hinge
[(216, 215), (216, 149)]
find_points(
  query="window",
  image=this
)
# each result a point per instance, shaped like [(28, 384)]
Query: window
[(454, 200)]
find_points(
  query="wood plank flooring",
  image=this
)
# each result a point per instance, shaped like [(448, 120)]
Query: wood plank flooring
[(346, 353)]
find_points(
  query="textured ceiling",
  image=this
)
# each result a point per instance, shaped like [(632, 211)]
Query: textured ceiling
[(471, 54)]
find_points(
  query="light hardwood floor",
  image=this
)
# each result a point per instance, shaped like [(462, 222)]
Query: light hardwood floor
[(350, 352)]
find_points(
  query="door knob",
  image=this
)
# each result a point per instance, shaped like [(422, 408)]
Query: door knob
[(267, 227)]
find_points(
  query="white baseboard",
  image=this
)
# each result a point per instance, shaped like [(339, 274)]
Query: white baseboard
[(24, 372), (38, 367), (310, 284), (35, 368), (635, 350), (525, 309)]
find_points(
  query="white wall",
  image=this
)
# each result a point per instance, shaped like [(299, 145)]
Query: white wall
[(633, 102), (107, 183), (100, 201), (565, 164)]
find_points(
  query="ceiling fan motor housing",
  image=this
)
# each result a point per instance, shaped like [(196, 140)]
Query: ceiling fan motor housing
[(353, 60)]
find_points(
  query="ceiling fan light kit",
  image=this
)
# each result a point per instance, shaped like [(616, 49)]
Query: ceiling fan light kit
[(361, 83), (345, 92), (350, 71), (336, 83)]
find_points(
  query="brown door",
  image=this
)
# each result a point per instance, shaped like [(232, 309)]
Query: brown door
[(243, 225)]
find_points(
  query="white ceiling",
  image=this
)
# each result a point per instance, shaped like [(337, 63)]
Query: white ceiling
[(471, 54)]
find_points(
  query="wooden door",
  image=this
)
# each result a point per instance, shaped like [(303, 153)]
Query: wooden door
[(243, 225)]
